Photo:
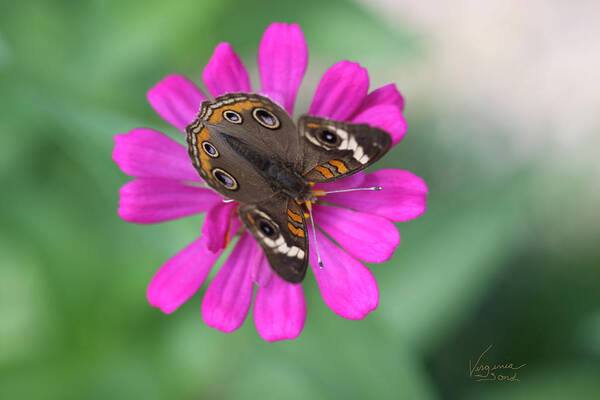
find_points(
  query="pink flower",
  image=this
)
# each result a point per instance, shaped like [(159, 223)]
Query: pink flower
[(167, 188)]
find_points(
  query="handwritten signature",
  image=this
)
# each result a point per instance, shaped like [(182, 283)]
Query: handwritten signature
[(493, 372)]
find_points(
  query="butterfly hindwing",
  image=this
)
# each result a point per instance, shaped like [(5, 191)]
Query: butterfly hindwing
[(333, 149), (278, 225)]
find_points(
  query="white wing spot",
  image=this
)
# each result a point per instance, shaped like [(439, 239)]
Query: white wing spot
[(283, 248), (358, 153), (293, 251), (352, 144)]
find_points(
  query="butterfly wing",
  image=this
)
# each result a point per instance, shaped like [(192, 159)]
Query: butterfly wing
[(278, 225), (236, 138), (333, 150)]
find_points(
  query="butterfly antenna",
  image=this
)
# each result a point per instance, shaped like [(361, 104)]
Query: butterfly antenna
[(322, 193), (312, 222)]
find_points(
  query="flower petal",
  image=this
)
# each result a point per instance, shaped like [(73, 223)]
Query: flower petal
[(180, 277), (225, 72), (384, 116), (279, 309), (367, 237), (387, 94), (217, 225), (145, 153), (341, 91), (347, 286), (402, 198), (260, 270), (282, 60), (150, 200), (228, 297), (177, 100)]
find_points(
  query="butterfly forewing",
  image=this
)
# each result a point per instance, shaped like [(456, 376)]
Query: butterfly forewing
[(333, 149), (236, 138), (280, 228)]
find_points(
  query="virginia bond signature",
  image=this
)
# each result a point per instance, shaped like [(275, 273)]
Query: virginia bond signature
[(481, 371)]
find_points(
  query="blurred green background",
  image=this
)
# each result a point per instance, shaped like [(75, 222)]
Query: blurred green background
[(507, 253)]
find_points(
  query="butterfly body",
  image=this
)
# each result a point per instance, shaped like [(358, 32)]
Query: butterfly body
[(280, 174), (247, 148)]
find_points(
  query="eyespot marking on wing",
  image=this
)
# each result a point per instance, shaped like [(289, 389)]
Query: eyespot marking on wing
[(210, 149), (275, 239), (330, 137), (232, 116), (225, 179), (266, 118)]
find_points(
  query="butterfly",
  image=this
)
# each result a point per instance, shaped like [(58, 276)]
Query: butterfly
[(247, 148)]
